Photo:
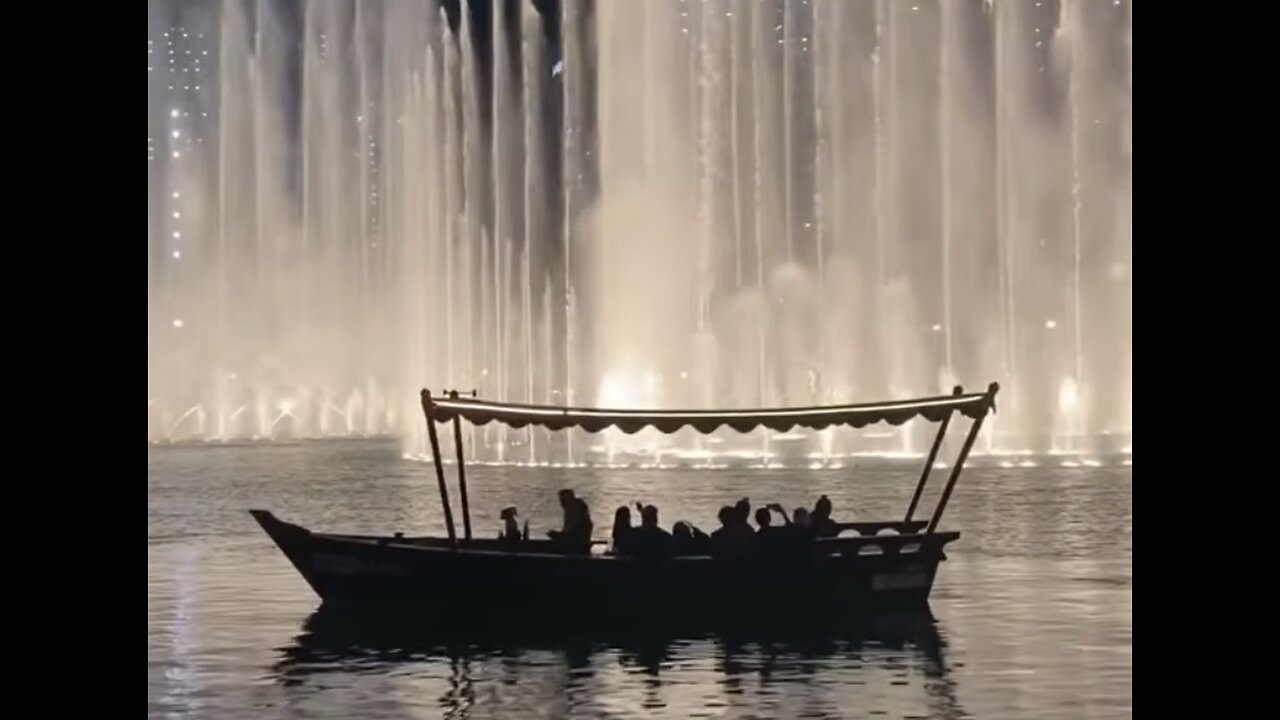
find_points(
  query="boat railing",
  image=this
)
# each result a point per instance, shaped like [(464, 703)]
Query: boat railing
[(886, 544), (928, 544), (901, 527)]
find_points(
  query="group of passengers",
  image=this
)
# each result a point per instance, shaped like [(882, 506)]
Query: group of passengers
[(735, 537)]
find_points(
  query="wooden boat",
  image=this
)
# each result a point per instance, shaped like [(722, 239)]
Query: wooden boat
[(887, 563)]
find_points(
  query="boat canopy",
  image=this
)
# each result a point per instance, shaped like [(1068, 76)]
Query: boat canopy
[(453, 408), (896, 412)]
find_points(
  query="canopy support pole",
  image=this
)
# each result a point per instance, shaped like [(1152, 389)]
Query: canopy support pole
[(964, 455), (462, 472), (933, 455), (427, 409)]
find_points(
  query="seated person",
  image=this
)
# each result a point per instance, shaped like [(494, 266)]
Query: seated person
[(650, 541), (510, 526), (798, 533), (575, 535), (689, 540), (733, 538), (622, 531), (823, 525), (770, 538)]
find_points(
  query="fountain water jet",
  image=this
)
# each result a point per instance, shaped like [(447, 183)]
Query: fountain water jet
[(779, 200)]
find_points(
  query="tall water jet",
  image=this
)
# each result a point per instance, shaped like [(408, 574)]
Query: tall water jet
[(570, 70), (646, 271), (946, 119), (502, 123), (471, 249), (452, 182), (532, 74)]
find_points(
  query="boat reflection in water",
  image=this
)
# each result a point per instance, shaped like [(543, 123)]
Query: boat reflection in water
[(892, 664)]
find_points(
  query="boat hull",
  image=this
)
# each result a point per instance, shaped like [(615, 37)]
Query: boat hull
[(429, 575)]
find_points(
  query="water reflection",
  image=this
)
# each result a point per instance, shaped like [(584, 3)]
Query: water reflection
[(889, 664)]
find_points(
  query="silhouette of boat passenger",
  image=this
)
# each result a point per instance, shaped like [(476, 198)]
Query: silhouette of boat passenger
[(689, 540), (622, 531), (510, 526), (797, 536), (733, 539), (823, 525), (574, 536), (742, 512), (650, 541)]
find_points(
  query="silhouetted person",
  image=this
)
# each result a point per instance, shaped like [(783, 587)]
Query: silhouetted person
[(721, 537), (575, 534), (681, 538), (823, 525), (689, 540), (623, 533), (763, 520), (650, 541), (799, 529), (510, 525), (769, 538), (801, 539), (801, 518), (733, 538), (742, 512)]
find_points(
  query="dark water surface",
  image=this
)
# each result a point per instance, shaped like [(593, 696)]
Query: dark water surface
[(1032, 614)]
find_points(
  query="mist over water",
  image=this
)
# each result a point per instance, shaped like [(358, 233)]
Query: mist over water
[(720, 203)]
